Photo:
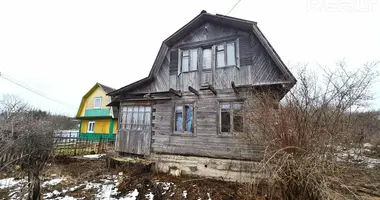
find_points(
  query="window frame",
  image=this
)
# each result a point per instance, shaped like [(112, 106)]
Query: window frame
[(88, 126), (232, 131), (174, 112), (124, 111), (100, 106), (189, 56), (225, 52), (207, 45), (201, 57)]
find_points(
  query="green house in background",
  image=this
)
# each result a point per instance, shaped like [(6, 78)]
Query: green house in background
[(96, 119)]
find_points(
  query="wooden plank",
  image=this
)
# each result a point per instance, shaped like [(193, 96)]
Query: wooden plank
[(191, 89), (175, 92), (173, 81), (211, 88), (234, 88)]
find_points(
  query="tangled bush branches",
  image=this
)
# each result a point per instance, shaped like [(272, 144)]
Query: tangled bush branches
[(27, 136), (317, 117)]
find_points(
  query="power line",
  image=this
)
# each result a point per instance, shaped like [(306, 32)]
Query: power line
[(33, 90), (233, 7)]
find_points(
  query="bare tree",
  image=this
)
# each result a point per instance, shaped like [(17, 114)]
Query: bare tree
[(10, 109), (302, 137), (31, 139)]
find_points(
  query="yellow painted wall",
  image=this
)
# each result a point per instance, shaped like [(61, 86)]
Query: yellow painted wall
[(89, 101), (114, 126), (84, 126), (101, 125)]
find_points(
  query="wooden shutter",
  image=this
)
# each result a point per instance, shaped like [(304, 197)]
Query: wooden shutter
[(173, 62), (237, 53), (245, 51)]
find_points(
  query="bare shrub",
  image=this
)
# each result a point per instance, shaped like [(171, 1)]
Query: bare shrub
[(29, 136), (302, 138)]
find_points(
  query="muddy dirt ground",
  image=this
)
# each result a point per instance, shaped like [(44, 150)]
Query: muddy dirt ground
[(79, 178), (75, 173)]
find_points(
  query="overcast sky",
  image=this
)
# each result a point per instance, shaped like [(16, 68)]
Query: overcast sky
[(62, 48)]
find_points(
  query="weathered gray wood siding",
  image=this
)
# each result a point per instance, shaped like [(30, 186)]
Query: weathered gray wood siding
[(134, 141), (206, 141), (256, 65), (161, 82)]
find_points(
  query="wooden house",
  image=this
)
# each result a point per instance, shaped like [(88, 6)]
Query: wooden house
[(187, 104), (96, 119)]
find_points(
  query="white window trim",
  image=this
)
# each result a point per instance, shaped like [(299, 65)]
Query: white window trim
[(88, 126), (95, 102)]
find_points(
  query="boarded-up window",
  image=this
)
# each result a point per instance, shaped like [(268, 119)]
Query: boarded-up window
[(206, 58), (231, 117), (136, 117), (184, 119)]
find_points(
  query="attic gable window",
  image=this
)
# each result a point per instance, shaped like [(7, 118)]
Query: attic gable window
[(189, 60), (97, 102), (225, 54)]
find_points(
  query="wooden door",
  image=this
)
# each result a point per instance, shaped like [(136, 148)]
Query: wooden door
[(134, 135)]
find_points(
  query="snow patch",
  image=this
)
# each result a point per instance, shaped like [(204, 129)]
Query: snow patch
[(94, 156), (8, 183), (367, 145), (356, 156), (52, 182), (150, 196)]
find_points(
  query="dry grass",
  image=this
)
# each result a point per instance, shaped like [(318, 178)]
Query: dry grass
[(302, 138)]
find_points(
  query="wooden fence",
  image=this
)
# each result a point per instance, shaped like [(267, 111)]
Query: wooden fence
[(67, 146), (73, 146)]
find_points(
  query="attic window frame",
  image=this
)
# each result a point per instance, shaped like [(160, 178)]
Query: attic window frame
[(100, 104), (189, 56), (225, 52), (207, 45)]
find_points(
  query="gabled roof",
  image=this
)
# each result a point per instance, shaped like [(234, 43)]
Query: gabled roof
[(105, 88), (245, 25)]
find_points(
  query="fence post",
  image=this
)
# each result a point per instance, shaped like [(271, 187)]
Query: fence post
[(75, 146), (100, 145)]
